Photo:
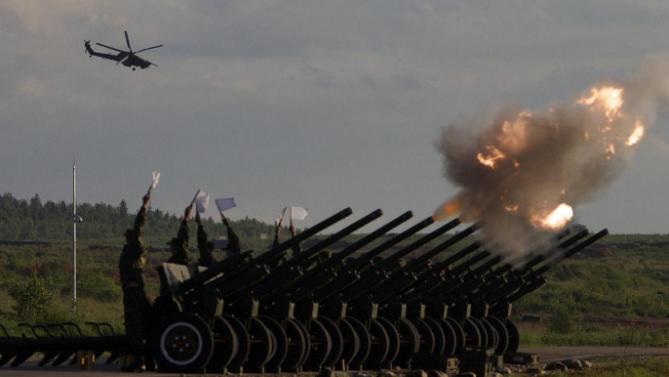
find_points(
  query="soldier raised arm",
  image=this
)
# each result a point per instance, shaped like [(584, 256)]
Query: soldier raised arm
[(179, 244), (203, 244), (136, 306), (295, 246), (277, 228), (233, 240)]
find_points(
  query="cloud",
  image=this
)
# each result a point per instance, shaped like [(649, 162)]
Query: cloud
[(31, 88)]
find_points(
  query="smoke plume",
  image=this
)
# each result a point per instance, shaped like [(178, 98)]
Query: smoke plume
[(521, 172)]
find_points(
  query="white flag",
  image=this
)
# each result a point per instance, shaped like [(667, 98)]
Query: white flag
[(202, 201), (156, 178), (298, 213), (225, 204)]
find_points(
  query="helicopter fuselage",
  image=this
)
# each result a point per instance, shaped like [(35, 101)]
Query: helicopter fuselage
[(134, 61)]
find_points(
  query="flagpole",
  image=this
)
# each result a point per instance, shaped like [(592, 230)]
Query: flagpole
[(74, 234)]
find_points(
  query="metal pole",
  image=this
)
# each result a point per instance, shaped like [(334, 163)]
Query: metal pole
[(74, 234)]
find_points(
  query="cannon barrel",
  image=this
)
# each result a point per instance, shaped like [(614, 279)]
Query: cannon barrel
[(371, 254), (570, 252), (494, 286), (336, 236), (421, 260), (462, 267), (561, 245), (353, 268), (433, 285), (480, 270), (217, 268), (391, 260), (448, 262), (527, 282), (285, 275), (402, 280), (316, 277), (341, 255)]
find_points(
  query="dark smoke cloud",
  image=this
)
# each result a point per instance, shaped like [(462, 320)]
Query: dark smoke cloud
[(516, 166)]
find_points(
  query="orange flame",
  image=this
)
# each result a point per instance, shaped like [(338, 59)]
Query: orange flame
[(490, 159), (637, 134), (448, 209), (511, 207), (555, 220), (606, 98)]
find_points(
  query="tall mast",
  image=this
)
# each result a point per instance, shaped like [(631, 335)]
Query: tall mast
[(74, 233)]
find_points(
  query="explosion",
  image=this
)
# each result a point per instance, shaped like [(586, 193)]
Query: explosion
[(555, 220), (521, 172)]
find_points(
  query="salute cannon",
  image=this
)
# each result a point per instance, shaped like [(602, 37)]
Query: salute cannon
[(385, 300)]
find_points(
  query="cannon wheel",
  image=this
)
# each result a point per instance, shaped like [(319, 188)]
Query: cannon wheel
[(380, 345), (351, 345), (226, 345), (459, 340), (503, 335), (280, 344), (183, 343), (439, 332), (337, 339), (394, 342), (321, 345), (493, 336), (365, 338), (244, 343), (485, 336), (409, 342), (428, 338), (473, 337), (261, 345), (298, 346), (514, 336)]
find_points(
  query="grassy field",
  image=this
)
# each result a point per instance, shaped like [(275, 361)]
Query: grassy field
[(623, 283), (625, 367)]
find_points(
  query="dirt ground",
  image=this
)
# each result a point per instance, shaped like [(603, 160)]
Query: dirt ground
[(546, 354)]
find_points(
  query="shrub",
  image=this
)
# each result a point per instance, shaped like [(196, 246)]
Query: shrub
[(33, 300)]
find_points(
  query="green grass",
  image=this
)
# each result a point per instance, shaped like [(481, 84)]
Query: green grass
[(630, 281)]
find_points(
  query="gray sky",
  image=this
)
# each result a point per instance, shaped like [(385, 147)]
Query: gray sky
[(324, 104)]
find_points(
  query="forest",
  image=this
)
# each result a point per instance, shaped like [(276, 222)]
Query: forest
[(104, 224)]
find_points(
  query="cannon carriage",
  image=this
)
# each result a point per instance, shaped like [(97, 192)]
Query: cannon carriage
[(350, 309)]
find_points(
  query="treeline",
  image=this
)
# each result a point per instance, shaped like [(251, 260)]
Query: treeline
[(105, 224)]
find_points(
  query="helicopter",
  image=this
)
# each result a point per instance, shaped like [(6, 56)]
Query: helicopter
[(127, 58)]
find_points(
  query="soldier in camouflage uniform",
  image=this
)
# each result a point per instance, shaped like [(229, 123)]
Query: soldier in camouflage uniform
[(179, 244), (136, 306), (203, 244), (233, 240), (206, 247)]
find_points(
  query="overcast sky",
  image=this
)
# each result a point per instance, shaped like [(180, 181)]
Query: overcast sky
[(324, 104)]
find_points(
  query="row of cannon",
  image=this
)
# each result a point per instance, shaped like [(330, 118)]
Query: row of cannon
[(367, 306)]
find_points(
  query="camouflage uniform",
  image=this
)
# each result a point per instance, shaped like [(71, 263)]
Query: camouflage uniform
[(180, 244), (136, 306), (205, 248), (233, 241)]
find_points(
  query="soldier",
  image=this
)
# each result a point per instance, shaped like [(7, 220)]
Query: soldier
[(206, 247), (179, 244), (203, 244), (136, 306), (277, 228), (233, 240), (277, 231), (295, 245)]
